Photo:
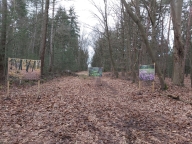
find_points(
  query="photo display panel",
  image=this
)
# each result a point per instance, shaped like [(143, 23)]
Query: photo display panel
[(147, 72), (25, 69), (95, 71)]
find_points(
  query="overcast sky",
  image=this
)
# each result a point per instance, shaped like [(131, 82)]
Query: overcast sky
[(83, 9)]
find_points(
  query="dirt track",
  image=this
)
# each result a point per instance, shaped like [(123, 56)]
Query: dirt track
[(85, 110)]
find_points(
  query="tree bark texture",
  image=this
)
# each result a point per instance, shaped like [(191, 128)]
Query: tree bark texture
[(3, 35), (43, 40), (187, 43), (123, 68), (191, 66), (51, 40), (178, 48)]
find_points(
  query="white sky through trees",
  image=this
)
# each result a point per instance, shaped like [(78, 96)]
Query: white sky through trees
[(87, 21), (84, 10)]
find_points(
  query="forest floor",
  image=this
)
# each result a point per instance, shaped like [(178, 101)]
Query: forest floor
[(84, 110)]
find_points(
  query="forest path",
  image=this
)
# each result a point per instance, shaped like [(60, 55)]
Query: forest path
[(87, 110)]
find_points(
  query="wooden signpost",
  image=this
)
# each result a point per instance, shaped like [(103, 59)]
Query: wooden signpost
[(23, 69), (7, 88), (38, 87), (147, 73)]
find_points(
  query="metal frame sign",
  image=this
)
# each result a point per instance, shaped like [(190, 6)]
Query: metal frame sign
[(147, 72), (95, 71), (26, 69)]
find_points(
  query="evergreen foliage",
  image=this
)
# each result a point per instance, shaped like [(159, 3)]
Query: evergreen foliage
[(23, 36)]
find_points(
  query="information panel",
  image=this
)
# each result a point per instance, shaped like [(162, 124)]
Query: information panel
[(95, 71), (147, 72), (26, 69)]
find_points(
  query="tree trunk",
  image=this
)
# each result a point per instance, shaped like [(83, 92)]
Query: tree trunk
[(51, 40), (162, 48), (35, 31), (145, 39), (190, 59), (188, 35), (167, 50), (123, 68), (178, 49), (3, 36), (128, 44), (134, 58), (188, 38), (191, 66), (43, 16), (43, 40), (135, 42)]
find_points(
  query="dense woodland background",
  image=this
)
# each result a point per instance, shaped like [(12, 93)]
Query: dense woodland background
[(28, 32), (82, 109), (144, 32)]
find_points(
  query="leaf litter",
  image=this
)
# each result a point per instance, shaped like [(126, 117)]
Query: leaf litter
[(76, 110)]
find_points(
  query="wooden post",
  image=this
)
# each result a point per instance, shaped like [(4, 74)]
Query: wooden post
[(139, 85), (190, 93), (38, 87), (139, 79), (99, 81), (7, 88), (153, 84), (96, 81)]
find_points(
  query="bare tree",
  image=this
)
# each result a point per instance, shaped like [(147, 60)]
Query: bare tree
[(105, 24), (145, 39)]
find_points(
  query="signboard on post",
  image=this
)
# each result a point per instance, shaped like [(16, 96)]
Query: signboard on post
[(95, 71), (23, 69), (147, 73)]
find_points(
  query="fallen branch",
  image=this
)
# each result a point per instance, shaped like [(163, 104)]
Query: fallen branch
[(173, 96), (178, 98)]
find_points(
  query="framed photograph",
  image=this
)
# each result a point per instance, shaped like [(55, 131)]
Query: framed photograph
[(25, 69), (95, 71), (147, 72)]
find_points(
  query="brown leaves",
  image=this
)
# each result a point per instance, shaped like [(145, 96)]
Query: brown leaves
[(76, 110)]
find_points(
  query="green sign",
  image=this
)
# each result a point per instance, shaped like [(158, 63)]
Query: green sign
[(147, 72), (95, 71)]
